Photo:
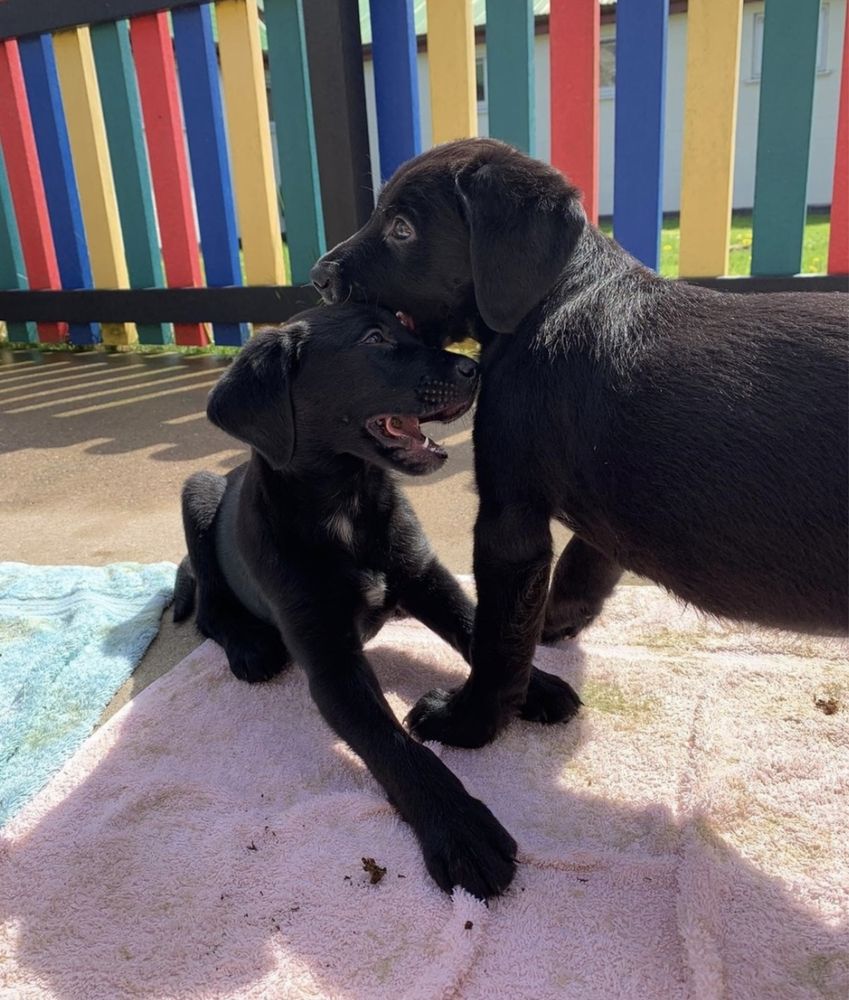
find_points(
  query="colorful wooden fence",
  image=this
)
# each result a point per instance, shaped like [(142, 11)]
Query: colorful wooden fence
[(138, 198)]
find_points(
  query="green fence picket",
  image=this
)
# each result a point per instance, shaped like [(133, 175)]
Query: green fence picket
[(12, 271), (784, 135), (291, 101), (510, 71), (120, 99)]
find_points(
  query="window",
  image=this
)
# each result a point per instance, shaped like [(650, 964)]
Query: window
[(480, 80), (758, 44), (607, 66)]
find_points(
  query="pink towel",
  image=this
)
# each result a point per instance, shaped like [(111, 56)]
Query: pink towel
[(686, 836)]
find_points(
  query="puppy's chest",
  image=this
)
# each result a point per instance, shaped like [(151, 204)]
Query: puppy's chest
[(355, 527), (360, 539)]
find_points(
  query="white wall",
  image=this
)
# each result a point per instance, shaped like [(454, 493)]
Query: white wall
[(823, 130)]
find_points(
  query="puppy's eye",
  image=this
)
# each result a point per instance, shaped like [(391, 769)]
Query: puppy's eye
[(375, 336), (401, 229)]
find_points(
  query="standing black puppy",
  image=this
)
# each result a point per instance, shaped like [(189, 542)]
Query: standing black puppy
[(305, 550), (696, 438)]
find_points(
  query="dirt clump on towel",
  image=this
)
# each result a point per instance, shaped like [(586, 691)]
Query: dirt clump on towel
[(372, 868)]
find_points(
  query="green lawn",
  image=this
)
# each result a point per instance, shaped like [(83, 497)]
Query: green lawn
[(814, 253)]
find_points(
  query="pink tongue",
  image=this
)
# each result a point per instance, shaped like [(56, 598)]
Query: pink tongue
[(403, 427), (405, 319)]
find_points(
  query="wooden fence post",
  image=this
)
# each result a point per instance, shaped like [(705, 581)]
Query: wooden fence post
[(574, 46), (246, 106), (291, 99), (119, 97), (87, 131), (57, 171), (838, 244), (12, 258), (153, 55), (396, 82), (197, 69), (335, 52), (710, 116), (641, 29), (25, 182), (788, 69), (451, 65), (510, 72)]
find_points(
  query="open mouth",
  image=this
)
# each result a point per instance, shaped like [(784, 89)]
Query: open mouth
[(401, 435)]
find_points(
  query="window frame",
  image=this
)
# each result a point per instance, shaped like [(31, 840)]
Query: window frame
[(756, 54)]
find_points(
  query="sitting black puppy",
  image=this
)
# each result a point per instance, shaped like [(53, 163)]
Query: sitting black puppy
[(303, 552)]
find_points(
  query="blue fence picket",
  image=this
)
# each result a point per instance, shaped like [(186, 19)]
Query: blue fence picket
[(396, 82), (641, 30), (197, 71), (57, 170)]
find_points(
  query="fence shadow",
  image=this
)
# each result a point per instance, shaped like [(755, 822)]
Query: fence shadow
[(110, 404), (120, 403)]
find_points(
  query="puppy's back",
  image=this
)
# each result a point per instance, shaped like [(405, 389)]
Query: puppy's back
[(734, 445)]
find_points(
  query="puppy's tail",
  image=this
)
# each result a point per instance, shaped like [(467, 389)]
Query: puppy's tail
[(184, 591)]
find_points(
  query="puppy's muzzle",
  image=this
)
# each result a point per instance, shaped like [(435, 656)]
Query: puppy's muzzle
[(458, 387)]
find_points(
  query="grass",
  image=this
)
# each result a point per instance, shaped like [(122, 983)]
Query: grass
[(814, 250)]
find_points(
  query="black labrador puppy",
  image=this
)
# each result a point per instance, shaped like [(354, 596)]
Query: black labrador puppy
[(696, 438), (303, 552)]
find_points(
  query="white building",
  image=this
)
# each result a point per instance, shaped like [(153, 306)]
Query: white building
[(823, 129)]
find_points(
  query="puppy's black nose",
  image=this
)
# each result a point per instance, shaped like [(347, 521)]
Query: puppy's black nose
[(466, 367), (325, 279), (319, 277)]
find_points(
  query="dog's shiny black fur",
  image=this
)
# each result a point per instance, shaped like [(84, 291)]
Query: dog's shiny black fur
[(696, 438), (304, 551)]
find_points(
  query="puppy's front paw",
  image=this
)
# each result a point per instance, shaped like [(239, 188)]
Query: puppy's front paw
[(549, 699), (452, 717), (467, 846)]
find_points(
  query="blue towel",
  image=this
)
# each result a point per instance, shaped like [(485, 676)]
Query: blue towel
[(69, 637)]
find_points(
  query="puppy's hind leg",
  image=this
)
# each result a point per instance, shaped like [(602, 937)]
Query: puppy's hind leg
[(583, 579), (184, 591), (255, 651)]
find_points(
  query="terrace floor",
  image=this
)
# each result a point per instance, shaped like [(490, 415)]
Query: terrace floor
[(95, 447)]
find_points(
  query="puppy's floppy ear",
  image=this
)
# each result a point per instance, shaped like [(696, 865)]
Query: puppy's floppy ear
[(524, 221), (252, 401)]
